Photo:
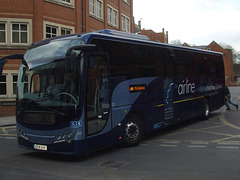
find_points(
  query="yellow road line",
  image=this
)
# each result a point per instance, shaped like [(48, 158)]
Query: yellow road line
[(4, 130), (224, 121), (14, 135)]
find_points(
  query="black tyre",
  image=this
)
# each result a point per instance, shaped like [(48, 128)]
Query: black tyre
[(133, 131), (206, 110)]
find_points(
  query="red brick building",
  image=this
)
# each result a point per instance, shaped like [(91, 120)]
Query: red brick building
[(23, 22), (153, 36), (227, 57)]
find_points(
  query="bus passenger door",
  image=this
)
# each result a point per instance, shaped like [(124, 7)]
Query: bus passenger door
[(98, 120)]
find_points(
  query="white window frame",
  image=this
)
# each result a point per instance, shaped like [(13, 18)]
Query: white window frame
[(99, 9), (66, 1), (63, 2), (5, 32), (126, 1), (19, 31), (126, 23), (113, 15), (123, 23), (14, 84), (51, 34), (94, 9), (8, 26), (9, 84), (59, 27), (66, 31), (109, 14), (115, 18)]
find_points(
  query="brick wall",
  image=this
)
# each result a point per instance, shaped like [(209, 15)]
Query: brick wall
[(153, 36), (7, 110)]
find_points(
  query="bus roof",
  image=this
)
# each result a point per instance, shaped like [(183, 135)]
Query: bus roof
[(129, 37)]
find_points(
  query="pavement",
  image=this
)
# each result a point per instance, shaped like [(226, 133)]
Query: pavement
[(8, 121)]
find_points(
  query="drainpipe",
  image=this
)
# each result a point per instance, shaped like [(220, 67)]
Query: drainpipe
[(82, 17)]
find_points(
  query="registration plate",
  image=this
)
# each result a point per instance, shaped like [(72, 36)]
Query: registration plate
[(40, 147)]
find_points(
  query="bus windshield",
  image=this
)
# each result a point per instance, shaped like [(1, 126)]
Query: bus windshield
[(44, 84)]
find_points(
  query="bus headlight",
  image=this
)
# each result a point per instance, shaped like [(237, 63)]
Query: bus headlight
[(21, 134), (65, 137)]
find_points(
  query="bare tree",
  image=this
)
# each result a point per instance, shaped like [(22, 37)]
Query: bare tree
[(236, 54), (176, 42)]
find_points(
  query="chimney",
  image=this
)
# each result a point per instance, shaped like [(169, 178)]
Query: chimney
[(139, 25)]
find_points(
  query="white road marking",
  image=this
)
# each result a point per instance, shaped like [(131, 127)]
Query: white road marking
[(227, 147), (167, 145), (196, 146)]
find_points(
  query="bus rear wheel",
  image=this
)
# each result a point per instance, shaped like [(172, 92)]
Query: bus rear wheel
[(133, 131), (206, 110)]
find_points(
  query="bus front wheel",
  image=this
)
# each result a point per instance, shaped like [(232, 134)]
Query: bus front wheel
[(133, 131)]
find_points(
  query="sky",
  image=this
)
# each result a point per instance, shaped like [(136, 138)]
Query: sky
[(196, 22)]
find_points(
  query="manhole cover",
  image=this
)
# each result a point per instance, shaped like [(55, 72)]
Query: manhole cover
[(113, 164)]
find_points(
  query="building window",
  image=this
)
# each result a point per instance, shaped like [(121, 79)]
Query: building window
[(3, 85), (54, 29), (109, 15), (14, 84), (92, 7), (66, 1), (115, 18), (19, 33), (15, 32), (126, 1), (112, 16), (65, 31), (125, 23), (96, 8), (2, 32), (99, 9), (51, 31)]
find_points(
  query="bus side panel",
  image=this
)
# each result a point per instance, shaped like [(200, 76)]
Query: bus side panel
[(146, 102), (217, 100)]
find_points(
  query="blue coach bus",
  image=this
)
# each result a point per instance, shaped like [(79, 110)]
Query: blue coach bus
[(80, 92)]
